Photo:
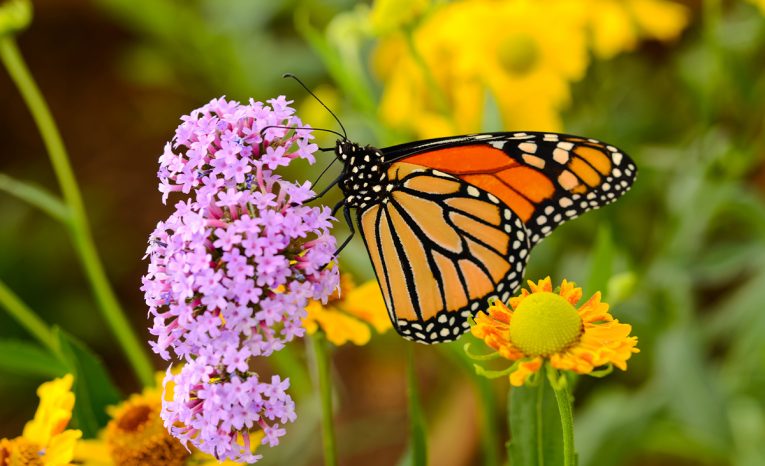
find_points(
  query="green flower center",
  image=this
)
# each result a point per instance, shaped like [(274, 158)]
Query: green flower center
[(543, 324), (518, 54)]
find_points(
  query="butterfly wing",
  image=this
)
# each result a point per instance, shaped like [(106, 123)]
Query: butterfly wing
[(441, 248), (545, 178)]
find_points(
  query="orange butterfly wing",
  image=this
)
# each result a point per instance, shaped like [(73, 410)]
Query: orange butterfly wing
[(545, 178)]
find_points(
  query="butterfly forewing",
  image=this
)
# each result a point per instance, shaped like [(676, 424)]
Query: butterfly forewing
[(546, 178)]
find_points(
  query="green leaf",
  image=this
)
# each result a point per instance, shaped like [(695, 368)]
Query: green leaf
[(35, 196), (536, 437), (93, 388), (611, 426), (601, 265), (26, 358)]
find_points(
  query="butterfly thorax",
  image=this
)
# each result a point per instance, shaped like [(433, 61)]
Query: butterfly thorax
[(364, 177)]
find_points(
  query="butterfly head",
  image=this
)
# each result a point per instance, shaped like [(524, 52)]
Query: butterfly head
[(364, 172)]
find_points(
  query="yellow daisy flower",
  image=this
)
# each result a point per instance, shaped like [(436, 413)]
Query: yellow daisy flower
[(349, 313), (45, 441), (618, 25), (136, 436), (442, 74), (544, 325)]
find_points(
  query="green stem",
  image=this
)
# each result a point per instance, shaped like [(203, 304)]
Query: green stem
[(540, 427), (78, 224), (417, 441), (325, 395), (489, 434), (27, 318), (563, 397)]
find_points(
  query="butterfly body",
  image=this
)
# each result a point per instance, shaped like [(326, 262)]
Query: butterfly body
[(449, 222)]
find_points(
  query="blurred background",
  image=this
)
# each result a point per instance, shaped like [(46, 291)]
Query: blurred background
[(680, 86)]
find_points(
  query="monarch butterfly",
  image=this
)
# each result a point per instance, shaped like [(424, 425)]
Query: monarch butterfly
[(448, 223)]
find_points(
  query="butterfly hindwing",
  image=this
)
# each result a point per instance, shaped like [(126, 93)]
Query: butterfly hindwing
[(545, 178), (441, 248)]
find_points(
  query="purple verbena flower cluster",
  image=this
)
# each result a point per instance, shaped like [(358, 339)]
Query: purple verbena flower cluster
[(230, 411), (232, 269)]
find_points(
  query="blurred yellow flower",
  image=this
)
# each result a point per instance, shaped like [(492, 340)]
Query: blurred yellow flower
[(437, 80), (349, 313), (543, 325), (618, 25), (45, 440), (439, 72), (136, 436)]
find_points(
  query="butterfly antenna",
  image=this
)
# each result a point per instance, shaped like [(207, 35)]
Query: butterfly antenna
[(262, 131), (290, 75), (324, 171)]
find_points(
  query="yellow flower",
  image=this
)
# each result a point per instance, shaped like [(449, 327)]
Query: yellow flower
[(437, 81), (45, 440), (544, 325), (349, 312), (618, 25), (136, 436)]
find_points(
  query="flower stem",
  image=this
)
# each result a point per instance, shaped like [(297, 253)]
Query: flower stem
[(78, 222), (325, 395), (27, 318), (417, 439), (559, 385)]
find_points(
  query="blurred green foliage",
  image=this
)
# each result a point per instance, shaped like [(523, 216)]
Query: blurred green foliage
[(681, 257)]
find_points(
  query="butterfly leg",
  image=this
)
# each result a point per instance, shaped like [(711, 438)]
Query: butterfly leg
[(349, 221)]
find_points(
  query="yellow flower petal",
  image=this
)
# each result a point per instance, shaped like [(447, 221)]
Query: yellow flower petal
[(60, 450), (660, 19), (53, 413), (519, 376), (366, 302), (348, 314), (92, 452)]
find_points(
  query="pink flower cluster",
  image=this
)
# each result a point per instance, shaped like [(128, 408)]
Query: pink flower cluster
[(232, 269)]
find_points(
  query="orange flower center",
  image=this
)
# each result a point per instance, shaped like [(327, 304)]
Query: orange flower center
[(137, 437), (543, 324)]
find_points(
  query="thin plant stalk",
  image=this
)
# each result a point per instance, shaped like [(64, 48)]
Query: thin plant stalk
[(77, 223), (563, 397), (418, 446), (325, 397)]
